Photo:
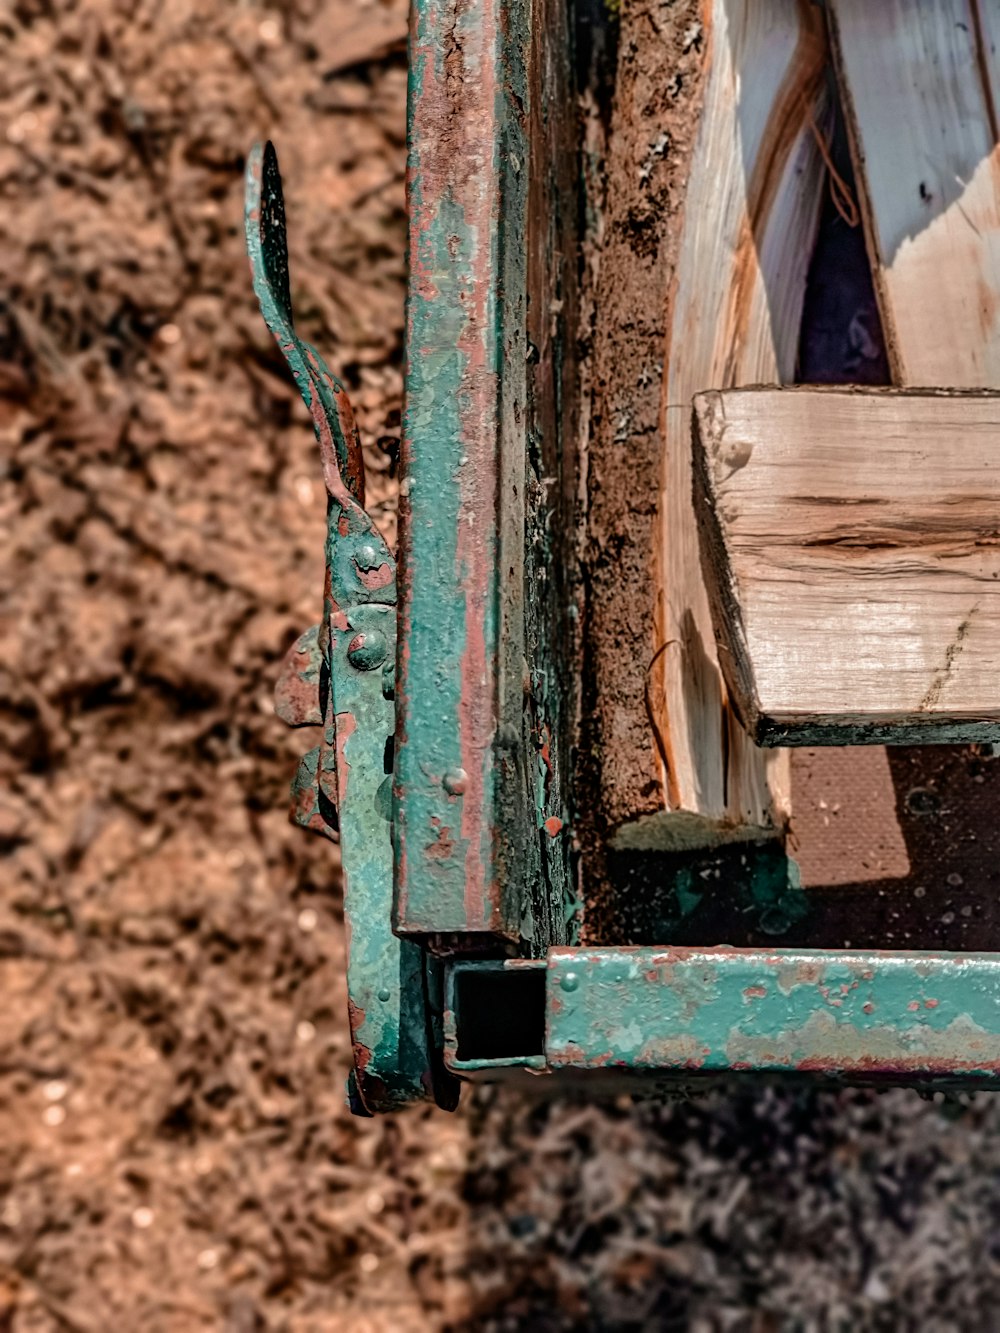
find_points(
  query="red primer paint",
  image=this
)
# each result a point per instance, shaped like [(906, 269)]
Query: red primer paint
[(376, 578), (345, 725)]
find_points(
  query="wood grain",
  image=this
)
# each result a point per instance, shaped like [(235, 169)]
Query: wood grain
[(734, 311), (851, 542), (919, 83)]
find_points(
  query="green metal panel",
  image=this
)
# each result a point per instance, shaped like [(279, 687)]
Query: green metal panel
[(847, 1015), (480, 807)]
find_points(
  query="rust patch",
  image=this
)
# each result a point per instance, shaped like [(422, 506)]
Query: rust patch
[(442, 845), (373, 579), (345, 726)]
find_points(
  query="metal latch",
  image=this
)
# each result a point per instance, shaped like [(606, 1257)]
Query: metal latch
[(339, 677)]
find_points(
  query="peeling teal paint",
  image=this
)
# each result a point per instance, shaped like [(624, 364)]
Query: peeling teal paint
[(472, 692), (838, 1014)]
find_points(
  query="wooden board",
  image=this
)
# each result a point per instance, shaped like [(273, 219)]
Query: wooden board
[(733, 316), (920, 83), (851, 541)]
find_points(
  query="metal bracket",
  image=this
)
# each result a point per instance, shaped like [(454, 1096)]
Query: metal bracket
[(666, 1017), (340, 676)]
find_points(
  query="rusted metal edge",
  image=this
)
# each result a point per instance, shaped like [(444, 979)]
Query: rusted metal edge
[(682, 1014), (448, 879), (481, 811)]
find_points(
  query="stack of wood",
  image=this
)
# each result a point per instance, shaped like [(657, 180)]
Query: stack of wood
[(820, 566)]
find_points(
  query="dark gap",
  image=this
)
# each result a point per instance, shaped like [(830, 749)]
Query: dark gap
[(841, 340), (500, 1013)]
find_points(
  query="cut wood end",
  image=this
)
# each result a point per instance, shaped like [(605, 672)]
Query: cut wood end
[(850, 542)]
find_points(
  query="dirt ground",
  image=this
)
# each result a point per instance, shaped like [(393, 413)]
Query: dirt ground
[(175, 1153)]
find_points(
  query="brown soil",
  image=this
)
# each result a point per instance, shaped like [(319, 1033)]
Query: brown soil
[(175, 1153), (662, 60)]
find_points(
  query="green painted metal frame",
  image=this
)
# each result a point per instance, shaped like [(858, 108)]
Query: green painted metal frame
[(484, 698), (677, 1015)]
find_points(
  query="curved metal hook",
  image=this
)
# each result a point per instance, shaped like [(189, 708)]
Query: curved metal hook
[(322, 392)]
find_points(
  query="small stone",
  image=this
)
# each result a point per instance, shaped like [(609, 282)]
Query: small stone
[(142, 1218), (305, 1031), (208, 1259), (308, 920), (55, 1090), (876, 1290), (368, 1262), (54, 1115)]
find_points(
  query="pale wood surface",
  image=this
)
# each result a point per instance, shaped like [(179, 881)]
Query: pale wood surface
[(852, 543), (734, 311), (919, 83)]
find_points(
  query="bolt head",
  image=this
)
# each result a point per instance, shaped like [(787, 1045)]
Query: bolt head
[(367, 557), (570, 981), (454, 781), (368, 650)]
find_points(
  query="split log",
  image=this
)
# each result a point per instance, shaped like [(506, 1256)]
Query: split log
[(851, 543), (920, 84), (676, 767)]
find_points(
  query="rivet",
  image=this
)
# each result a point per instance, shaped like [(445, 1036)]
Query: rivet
[(366, 557), (454, 781), (368, 650), (570, 981), (383, 995)]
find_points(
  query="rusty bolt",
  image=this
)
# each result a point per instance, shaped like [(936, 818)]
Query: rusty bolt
[(367, 557), (454, 781), (368, 650)]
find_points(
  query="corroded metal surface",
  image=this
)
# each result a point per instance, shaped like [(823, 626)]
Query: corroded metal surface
[(297, 693), (340, 677), (907, 1017), (480, 802)]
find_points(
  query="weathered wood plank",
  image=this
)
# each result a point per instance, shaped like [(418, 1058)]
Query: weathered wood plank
[(734, 310), (851, 542), (919, 84)]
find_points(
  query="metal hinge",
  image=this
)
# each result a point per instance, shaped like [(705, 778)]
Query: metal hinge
[(339, 676)]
